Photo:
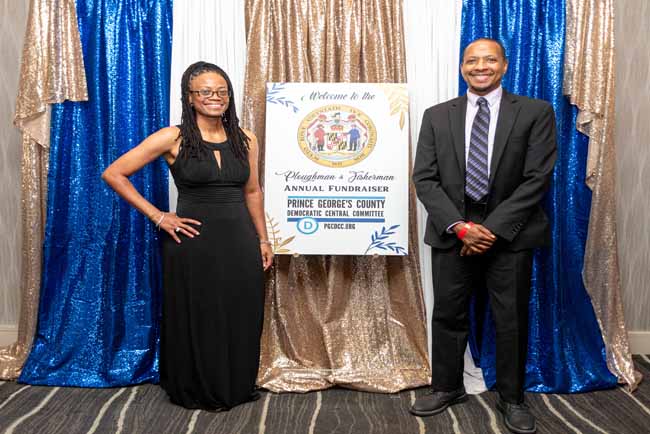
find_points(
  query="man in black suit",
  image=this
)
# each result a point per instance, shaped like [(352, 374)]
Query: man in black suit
[(483, 164)]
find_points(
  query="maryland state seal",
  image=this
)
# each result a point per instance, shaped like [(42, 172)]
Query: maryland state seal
[(337, 135)]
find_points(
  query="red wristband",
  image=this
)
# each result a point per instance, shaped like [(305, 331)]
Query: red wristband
[(461, 233)]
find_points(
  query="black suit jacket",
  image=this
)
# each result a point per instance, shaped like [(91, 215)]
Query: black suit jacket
[(523, 156)]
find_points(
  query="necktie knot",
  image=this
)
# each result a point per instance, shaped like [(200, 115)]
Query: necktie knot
[(482, 102)]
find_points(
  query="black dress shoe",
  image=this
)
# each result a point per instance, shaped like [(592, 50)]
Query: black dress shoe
[(215, 410), (437, 402), (517, 417)]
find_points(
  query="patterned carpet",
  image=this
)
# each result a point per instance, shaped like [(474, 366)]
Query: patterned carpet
[(145, 409)]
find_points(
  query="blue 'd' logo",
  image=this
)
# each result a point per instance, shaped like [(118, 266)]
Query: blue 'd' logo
[(307, 225)]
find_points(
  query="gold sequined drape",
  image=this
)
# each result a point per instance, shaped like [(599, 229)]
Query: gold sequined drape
[(357, 322), (51, 71), (589, 82)]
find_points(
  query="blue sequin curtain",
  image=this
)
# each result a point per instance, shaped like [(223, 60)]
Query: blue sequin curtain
[(566, 351), (98, 322)]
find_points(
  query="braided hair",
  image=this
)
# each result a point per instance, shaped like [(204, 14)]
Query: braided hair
[(190, 132)]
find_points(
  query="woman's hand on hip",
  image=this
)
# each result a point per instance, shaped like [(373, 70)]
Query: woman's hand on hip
[(174, 226)]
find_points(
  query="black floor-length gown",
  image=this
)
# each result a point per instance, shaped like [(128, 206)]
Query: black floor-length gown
[(213, 300)]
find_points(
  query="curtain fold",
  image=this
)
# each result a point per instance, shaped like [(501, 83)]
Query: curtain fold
[(98, 320), (52, 71), (589, 82), (356, 322), (566, 351)]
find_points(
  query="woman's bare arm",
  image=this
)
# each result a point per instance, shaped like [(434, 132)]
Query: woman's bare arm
[(163, 142), (255, 201)]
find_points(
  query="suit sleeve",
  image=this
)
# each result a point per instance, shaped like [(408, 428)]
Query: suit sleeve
[(426, 177), (507, 219)]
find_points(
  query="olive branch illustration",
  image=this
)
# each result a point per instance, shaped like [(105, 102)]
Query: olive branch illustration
[(398, 101), (277, 243), (379, 240), (273, 97)]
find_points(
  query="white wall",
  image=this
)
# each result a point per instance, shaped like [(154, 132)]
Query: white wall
[(13, 21), (633, 182)]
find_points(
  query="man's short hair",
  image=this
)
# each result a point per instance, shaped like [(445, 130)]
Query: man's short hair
[(496, 41)]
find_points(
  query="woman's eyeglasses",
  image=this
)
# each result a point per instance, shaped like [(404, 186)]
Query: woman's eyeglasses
[(209, 93)]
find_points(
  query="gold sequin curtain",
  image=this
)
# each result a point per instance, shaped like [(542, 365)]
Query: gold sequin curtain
[(51, 71), (589, 82), (352, 321)]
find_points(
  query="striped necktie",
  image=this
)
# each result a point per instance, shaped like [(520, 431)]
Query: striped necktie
[(476, 174)]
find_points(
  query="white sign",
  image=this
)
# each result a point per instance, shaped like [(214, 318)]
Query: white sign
[(336, 172)]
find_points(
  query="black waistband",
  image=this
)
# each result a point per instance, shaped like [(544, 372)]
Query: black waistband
[(211, 194)]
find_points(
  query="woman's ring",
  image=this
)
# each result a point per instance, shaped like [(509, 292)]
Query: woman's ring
[(177, 229)]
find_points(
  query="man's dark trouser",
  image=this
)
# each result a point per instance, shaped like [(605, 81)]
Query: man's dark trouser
[(506, 275)]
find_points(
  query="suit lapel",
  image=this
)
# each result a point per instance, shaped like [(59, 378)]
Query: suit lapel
[(507, 115), (457, 121)]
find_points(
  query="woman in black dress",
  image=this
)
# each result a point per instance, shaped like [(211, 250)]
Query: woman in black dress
[(216, 249)]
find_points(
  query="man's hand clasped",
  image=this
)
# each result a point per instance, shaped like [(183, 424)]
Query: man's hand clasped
[(476, 238)]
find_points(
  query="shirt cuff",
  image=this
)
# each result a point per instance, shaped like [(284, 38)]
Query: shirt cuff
[(449, 228)]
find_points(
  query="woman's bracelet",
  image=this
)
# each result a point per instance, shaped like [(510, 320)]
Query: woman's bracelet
[(162, 217), (265, 242)]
